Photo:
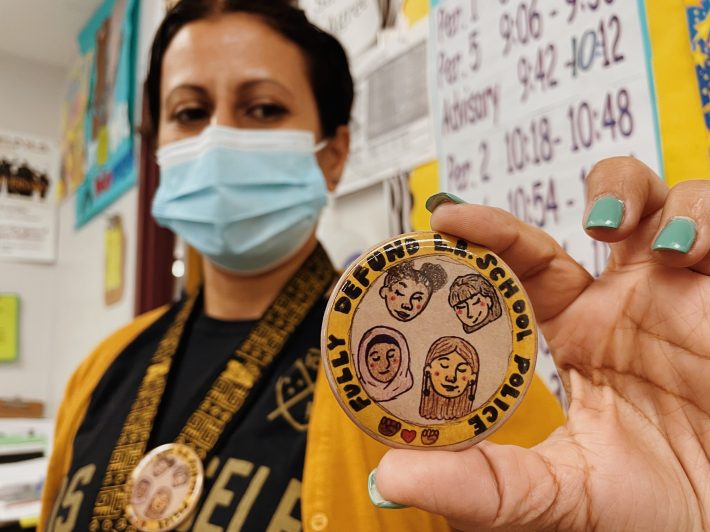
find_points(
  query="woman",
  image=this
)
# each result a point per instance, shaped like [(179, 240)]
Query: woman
[(450, 377), (383, 364), (407, 291), (250, 105), (475, 302)]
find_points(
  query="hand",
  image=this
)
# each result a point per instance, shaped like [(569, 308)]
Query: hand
[(633, 350)]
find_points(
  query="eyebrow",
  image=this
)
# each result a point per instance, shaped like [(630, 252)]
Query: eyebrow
[(243, 87), (248, 85), (185, 87)]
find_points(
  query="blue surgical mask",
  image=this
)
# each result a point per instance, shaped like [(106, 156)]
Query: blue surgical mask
[(248, 200)]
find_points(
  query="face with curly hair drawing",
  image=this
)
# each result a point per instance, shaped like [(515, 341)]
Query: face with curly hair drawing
[(407, 291)]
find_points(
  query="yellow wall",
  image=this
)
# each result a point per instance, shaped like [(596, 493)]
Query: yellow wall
[(683, 134)]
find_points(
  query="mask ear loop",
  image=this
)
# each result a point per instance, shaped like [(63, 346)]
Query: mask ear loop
[(319, 147)]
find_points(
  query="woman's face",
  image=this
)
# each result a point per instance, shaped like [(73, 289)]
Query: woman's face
[(234, 70), (405, 299), (450, 375), (474, 310), (383, 361)]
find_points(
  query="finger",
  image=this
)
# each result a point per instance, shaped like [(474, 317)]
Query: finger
[(484, 487), (624, 199), (621, 191), (682, 239), (551, 277)]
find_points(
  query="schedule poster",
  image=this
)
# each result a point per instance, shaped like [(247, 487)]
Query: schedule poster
[(529, 94)]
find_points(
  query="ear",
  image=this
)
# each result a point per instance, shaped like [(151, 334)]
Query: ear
[(333, 156), (383, 292)]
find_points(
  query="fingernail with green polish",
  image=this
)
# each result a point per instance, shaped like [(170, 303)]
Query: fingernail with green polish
[(678, 235), (606, 213), (375, 496), (442, 197)]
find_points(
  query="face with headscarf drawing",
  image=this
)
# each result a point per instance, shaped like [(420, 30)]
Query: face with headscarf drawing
[(383, 363)]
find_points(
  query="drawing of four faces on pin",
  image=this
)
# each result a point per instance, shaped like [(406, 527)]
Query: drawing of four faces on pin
[(451, 366)]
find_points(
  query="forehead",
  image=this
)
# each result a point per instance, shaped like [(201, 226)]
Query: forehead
[(232, 48), (387, 344), (453, 356)]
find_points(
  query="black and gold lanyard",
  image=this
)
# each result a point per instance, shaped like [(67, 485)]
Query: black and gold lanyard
[(227, 394)]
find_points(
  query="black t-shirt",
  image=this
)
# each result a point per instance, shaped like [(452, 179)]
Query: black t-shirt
[(253, 475)]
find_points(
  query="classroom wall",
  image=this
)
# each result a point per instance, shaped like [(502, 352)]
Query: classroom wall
[(63, 314), (81, 319), (30, 99)]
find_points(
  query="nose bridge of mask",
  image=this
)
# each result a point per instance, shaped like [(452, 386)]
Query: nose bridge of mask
[(253, 140)]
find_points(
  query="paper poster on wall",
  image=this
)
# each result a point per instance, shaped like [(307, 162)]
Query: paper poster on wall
[(28, 217), (407, 193), (699, 23), (114, 260), (354, 22), (9, 327), (391, 129), (73, 114), (528, 95), (109, 40)]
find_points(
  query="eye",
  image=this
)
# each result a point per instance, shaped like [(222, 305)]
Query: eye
[(445, 366), (267, 112), (462, 368), (190, 115), (375, 358), (418, 296), (400, 294), (461, 306)]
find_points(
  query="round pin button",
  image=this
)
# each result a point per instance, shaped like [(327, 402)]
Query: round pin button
[(429, 342), (164, 488)]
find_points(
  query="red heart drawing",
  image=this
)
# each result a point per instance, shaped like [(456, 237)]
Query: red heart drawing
[(409, 435)]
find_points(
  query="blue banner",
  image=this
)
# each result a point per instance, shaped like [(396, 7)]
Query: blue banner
[(699, 23), (109, 42)]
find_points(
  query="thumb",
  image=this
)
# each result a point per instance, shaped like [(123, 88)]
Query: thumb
[(486, 486)]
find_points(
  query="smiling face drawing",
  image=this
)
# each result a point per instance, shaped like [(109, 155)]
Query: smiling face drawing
[(474, 301), (474, 310), (384, 358), (405, 299), (383, 364), (450, 374), (450, 379), (407, 291)]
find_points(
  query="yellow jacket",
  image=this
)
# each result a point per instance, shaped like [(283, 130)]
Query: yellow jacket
[(339, 457)]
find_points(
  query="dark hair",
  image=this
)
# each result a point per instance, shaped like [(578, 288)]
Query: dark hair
[(431, 275), (381, 339), (327, 61)]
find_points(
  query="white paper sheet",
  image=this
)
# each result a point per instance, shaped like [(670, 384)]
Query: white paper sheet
[(520, 119)]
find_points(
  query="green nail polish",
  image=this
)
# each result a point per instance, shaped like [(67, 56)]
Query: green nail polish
[(607, 213), (678, 235), (375, 496), (442, 197)]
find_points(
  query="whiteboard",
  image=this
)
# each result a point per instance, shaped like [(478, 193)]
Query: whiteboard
[(528, 94)]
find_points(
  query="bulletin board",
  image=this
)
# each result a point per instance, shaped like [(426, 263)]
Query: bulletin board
[(107, 43)]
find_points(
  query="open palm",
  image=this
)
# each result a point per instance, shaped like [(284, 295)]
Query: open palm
[(633, 350)]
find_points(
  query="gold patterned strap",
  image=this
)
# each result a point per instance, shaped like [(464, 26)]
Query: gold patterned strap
[(224, 399), (263, 344)]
